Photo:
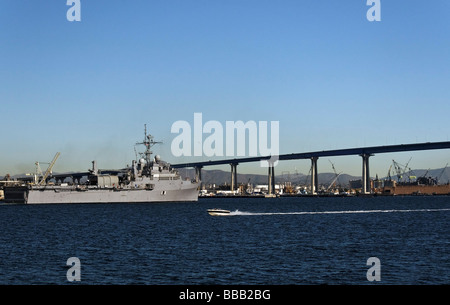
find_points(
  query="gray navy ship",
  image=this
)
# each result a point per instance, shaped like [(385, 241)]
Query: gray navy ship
[(146, 180)]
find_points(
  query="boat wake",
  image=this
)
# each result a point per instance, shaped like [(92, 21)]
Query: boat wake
[(242, 213)]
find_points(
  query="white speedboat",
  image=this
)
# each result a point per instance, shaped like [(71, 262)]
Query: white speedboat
[(218, 212)]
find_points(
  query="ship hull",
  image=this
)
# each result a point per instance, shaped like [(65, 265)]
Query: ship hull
[(55, 195), (417, 190)]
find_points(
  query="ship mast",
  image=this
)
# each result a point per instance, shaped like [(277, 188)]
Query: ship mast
[(148, 142)]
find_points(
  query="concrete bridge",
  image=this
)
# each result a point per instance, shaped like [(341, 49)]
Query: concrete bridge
[(364, 152)]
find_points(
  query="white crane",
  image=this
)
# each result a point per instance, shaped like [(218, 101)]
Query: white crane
[(335, 177), (49, 169)]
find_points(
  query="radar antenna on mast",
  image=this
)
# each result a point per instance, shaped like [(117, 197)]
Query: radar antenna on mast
[(149, 143)]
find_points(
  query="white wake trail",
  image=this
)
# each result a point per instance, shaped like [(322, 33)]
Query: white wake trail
[(242, 213)]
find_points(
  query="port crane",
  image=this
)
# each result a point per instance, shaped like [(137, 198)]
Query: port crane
[(307, 177), (389, 173), (332, 182), (47, 172), (336, 177), (400, 170), (442, 172)]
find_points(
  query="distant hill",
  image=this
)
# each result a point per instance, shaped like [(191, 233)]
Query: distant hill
[(220, 177)]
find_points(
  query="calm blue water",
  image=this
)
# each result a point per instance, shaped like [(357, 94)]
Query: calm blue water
[(179, 243)]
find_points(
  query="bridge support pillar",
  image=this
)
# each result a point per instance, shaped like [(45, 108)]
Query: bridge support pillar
[(271, 179), (198, 175), (366, 189), (233, 176), (314, 177)]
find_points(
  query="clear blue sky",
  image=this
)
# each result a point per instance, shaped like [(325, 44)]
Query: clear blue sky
[(329, 76)]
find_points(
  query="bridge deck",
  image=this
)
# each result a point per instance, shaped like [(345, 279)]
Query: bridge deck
[(326, 153)]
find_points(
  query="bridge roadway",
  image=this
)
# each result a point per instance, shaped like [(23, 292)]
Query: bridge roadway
[(364, 152)]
